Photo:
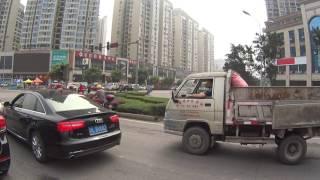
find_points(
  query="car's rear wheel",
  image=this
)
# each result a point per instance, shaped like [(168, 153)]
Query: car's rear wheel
[(38, 148), (196, 140)]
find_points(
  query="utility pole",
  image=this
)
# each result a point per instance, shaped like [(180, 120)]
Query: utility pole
[(260, 34), (138, 62)]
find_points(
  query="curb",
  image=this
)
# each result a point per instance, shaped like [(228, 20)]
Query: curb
[(140, 117)]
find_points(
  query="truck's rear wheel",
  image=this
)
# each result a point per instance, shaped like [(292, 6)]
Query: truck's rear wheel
[(196, 140), (292, 149)]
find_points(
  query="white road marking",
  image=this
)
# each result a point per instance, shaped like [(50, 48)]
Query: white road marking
[(141, 122)]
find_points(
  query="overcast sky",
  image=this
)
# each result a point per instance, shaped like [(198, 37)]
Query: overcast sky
[(223, 18)]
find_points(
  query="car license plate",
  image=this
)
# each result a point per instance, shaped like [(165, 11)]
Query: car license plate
[(98, 129)]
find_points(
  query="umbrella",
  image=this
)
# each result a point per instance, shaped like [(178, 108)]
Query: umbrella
[(37, 81), (28, 81)]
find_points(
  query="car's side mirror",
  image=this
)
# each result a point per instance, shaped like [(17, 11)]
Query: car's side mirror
[(6, 104), (174, 98)]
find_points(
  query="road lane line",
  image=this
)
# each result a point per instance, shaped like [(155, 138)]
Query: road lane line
[(141, 122)]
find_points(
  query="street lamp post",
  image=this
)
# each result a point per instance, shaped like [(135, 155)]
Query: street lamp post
[(263, 63), (138, 63)]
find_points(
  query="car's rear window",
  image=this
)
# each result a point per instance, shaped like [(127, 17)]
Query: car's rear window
[(63, 102)]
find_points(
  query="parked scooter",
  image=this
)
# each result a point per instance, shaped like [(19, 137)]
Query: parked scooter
[(110, 103)]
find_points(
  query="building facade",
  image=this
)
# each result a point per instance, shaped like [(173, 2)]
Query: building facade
[(102, 34), (185, 41), (136, 23), (60, 24), (166, 34), (276, 8), (298, 58), (205, 51), (11, 18)]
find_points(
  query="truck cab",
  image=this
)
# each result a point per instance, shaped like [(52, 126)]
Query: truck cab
[(188, 112)]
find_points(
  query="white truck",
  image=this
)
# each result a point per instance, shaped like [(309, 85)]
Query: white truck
[(287, 116)]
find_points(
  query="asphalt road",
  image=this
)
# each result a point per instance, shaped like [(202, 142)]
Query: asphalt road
[(146, 153), (161, 93)]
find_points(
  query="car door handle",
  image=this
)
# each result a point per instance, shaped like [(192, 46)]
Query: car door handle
[(207, 104)]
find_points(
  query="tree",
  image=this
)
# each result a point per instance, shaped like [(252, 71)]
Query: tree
[(154, 80), (241, 60), (59, 72), (92, 75), (142, 76), (266, 49), (167, 82), (116, 75)]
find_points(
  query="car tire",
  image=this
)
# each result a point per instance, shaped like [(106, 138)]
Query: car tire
[(38, 148), (196, 140), (292, 150)]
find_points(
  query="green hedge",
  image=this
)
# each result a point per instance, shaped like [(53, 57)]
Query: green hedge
[(146, 99), (142, 105)]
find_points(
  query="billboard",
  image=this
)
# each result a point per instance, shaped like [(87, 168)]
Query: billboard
[(59, 57), (31, 62)]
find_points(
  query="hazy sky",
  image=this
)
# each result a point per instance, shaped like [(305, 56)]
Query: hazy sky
[(223, 18)]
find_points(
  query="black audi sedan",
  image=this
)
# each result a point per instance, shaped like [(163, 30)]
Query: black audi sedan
[(4, 148), (60, 124)]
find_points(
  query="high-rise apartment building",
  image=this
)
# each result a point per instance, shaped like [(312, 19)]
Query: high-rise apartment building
[(60, 24), (159, 35), (11, 16), (79, 24), (205, 51), (38, 25), (185, 41), (102, 34), (136, 23), (166, 34), (276, 8)]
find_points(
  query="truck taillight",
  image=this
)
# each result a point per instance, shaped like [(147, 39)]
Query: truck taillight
[(114, 118), (70, 126), (3, 124)]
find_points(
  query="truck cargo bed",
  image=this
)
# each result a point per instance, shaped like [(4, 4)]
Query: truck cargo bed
[(276, 93)]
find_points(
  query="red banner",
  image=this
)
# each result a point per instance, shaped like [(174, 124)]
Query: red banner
[(100, 57), (286, 61)]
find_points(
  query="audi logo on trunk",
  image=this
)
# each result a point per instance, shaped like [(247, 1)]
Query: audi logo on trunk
[(98, 121)]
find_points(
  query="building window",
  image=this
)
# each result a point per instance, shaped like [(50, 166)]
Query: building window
[(6, 62), (293, 51), (291, 37), (314, 29), (281, 52), (301, 35), (298, 83), (298, 69), (302, 50), (281, 69), (315, 83)]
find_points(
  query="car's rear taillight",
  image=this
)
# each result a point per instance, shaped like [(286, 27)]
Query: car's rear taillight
[(70, 126), (2, 122), (114, 118)]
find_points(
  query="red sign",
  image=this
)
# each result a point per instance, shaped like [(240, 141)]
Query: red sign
[(286, 61), (101, 57)]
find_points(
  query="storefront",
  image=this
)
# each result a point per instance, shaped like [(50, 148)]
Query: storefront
[(6, 63)]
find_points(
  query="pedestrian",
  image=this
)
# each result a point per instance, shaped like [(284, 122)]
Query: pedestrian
[(81, 89), (149, 89)]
